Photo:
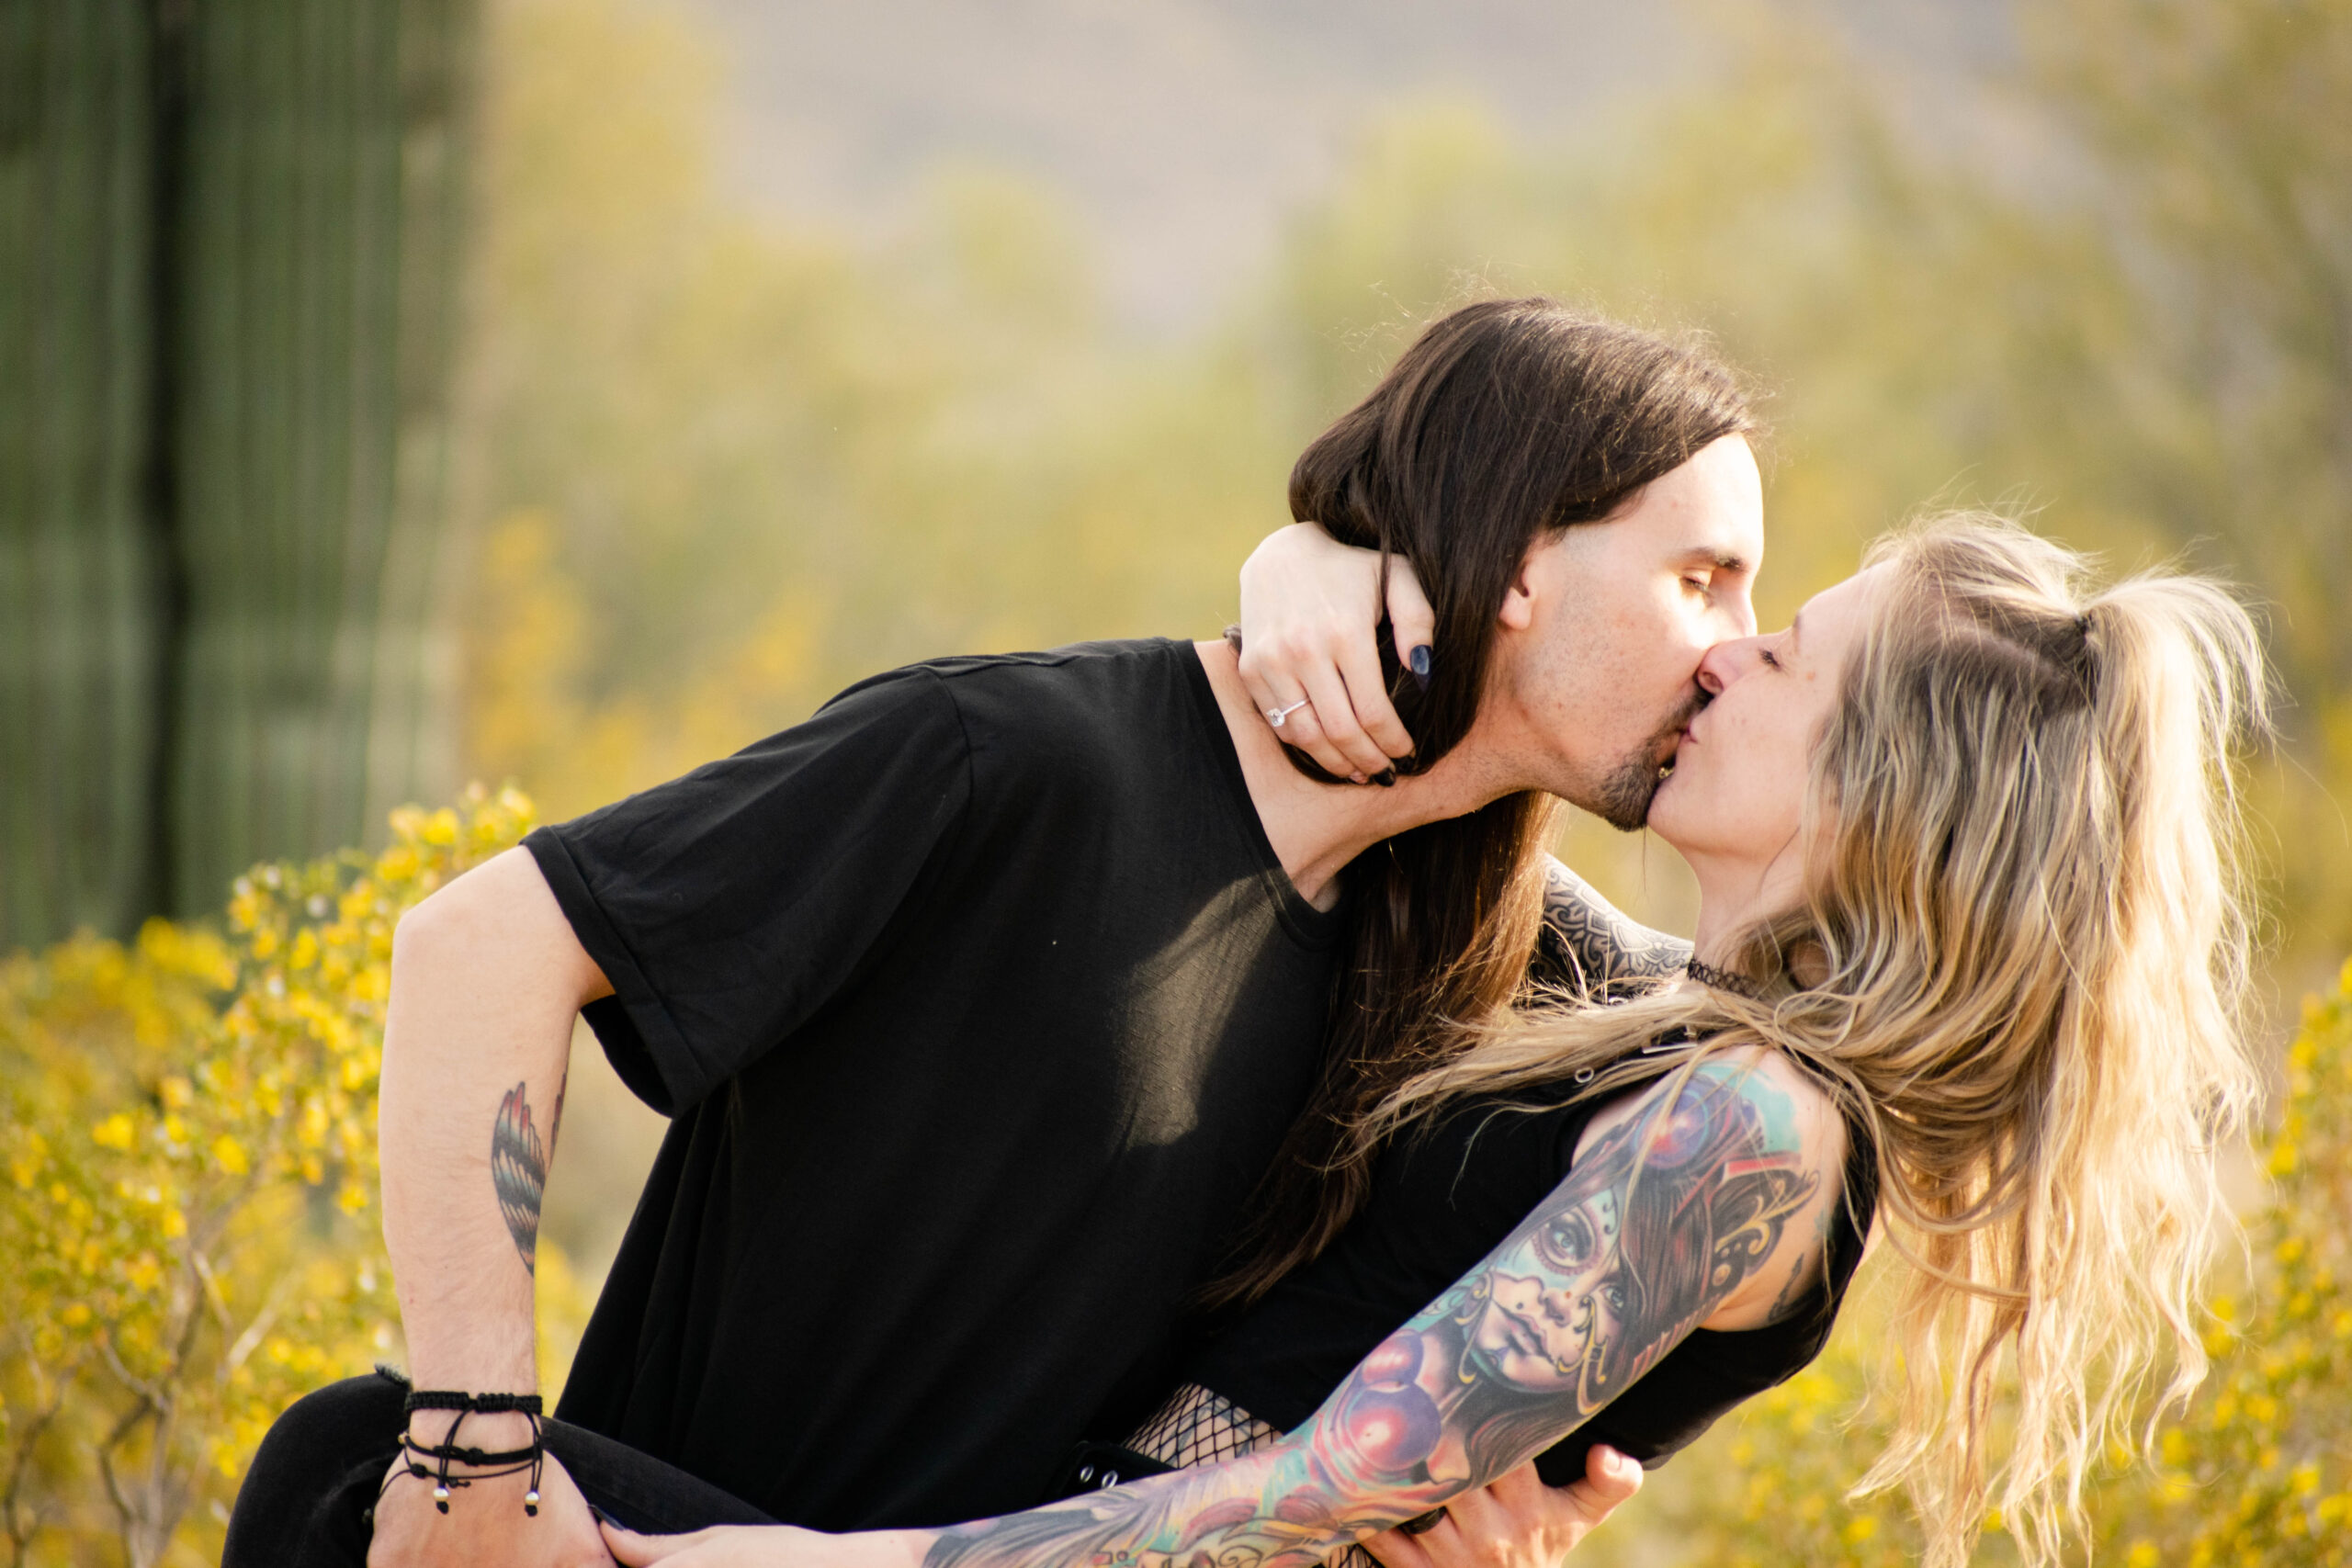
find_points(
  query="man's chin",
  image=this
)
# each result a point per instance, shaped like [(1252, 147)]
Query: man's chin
[(1623, 799)]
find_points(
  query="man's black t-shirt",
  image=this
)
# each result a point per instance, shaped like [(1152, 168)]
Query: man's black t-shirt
[(980, 1003)]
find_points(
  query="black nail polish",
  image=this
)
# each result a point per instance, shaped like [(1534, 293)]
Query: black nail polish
[(1418, 661)]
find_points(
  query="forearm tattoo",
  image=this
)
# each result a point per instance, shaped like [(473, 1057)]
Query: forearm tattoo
[(518, 1169), (1196, 1427), (1664, 1216), (1591, 947)]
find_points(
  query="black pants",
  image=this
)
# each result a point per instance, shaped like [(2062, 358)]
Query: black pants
[(309, 1500)]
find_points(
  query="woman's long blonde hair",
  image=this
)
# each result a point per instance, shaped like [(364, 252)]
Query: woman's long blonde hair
[(2025, 947)]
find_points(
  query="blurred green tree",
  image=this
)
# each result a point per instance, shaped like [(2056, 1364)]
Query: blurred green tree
[(730, 466)]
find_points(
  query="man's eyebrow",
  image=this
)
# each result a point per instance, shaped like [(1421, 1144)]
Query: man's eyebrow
[(1722, 560)]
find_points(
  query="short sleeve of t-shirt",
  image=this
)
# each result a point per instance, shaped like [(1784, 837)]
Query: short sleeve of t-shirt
[(726, 905)]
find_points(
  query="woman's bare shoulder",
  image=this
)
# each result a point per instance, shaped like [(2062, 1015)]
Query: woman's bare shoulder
[(1809, 1121)]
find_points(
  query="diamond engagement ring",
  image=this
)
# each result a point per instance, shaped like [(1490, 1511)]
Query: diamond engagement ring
[(1279, 716)]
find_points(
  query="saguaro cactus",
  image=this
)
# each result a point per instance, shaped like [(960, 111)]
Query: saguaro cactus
[(228, 257), (77, 632)]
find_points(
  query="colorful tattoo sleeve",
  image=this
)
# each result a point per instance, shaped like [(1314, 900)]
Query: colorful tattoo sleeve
[(1668, 1211), (1592, 947)]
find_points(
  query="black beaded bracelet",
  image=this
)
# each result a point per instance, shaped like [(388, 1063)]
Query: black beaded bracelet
[(450, 1451)]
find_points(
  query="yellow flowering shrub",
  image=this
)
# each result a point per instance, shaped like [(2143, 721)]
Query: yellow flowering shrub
[(187, 1180), (2260, 1471), (189, 1244), (2257, 1473)]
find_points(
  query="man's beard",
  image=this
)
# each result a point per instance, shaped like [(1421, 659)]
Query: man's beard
[(1624, 796)]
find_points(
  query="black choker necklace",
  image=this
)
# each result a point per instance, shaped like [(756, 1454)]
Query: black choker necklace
[(1724, 980)]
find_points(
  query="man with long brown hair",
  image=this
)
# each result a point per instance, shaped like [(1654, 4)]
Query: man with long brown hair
[(1012, 1002)]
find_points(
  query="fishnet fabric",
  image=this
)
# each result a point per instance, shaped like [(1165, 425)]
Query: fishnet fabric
[(1196, 1426)]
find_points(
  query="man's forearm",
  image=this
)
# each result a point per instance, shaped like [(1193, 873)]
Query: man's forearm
[(1600, 948), (486, 980)]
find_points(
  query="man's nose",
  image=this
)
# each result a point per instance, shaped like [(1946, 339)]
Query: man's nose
[(1740, 609), (1726, 662)]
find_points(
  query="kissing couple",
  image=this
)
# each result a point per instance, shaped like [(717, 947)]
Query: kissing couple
[(1160, 1102)]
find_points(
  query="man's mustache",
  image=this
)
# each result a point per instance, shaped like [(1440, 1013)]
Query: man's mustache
[(1692, 705)]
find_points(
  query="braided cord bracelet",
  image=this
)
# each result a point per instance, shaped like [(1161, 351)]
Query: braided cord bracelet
[(487, 1464)]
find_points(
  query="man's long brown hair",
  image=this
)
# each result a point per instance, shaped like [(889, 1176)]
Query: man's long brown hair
[(1505, 421)]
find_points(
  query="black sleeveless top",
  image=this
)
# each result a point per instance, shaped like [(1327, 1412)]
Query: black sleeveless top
[(1441, 1198)]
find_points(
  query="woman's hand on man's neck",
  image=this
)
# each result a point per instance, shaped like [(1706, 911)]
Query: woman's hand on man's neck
[(1317, 828)]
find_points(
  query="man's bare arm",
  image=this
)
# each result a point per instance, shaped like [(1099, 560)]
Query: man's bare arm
[(487, 978)]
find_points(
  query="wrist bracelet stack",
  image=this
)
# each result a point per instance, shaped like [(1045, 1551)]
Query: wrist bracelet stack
[(486, 1464)]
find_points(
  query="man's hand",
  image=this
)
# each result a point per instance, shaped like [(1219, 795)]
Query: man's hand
[(1308, 609), (1518, 1522), (485, 1527)]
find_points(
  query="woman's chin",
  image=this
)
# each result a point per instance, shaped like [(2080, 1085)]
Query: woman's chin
[(1667, 817), (1681, 824)]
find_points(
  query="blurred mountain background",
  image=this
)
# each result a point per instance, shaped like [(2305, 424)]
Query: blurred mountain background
[(568, 391), (1185, 133), (808, 340)]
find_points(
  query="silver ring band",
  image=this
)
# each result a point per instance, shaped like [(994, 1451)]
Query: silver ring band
[(1279, 716)]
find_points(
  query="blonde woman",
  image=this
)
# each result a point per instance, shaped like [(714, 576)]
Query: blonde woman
[(1968, 956)]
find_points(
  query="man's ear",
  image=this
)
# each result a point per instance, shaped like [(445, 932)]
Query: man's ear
[(1517, 611)]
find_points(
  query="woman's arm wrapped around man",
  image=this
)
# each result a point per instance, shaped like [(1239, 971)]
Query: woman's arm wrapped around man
[(1698, 1200)]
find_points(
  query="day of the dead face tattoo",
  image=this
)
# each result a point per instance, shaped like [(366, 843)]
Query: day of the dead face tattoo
[(1551, 1306)]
